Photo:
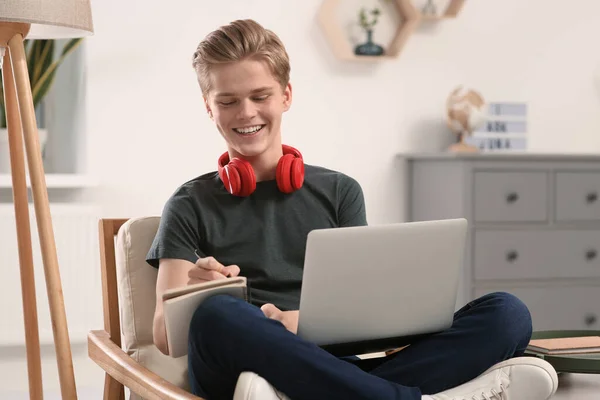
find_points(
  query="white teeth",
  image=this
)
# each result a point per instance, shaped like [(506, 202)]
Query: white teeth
[(248, 130)]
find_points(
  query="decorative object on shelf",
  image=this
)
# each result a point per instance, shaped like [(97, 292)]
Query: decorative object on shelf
[(369, 48), (430, 10), (465, 112), (42, 67), (504, 129), (20, 20), (341, 45)]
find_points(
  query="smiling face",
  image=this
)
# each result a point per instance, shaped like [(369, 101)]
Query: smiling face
[(246, 102)]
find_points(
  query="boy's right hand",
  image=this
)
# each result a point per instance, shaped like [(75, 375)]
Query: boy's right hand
[(208, 269)]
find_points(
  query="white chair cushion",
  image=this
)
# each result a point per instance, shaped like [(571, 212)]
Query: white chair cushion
[(137, 299)]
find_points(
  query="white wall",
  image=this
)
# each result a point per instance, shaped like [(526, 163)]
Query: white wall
[(148, 132)]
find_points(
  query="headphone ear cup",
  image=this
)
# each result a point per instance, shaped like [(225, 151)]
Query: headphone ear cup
[(297, 173), (284, 175), (246, 177), (231, 179)]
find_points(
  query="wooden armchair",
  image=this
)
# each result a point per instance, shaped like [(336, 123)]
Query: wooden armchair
[(126, 351)]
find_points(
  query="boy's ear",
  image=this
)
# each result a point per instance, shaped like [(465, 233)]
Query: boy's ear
[(287, 97), (208, 110)]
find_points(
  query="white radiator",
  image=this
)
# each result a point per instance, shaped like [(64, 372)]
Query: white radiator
[(76, 236)]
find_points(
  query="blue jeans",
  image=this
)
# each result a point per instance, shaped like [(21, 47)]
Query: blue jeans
[(229, 336)]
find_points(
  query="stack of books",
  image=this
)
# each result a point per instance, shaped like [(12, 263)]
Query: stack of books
[(563, 346)]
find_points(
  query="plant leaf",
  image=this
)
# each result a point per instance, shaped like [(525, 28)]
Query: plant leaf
[(44, 83), (45, 60)]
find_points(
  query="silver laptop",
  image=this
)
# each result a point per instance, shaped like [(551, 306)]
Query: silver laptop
[(371, 288)]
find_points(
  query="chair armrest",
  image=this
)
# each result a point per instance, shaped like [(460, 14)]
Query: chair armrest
[(118, 364)]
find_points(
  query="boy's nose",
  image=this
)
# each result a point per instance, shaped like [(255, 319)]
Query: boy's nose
[(247, 110)]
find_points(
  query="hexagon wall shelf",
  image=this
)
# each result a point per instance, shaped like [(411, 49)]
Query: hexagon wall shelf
[(342, 47), (451, 11)]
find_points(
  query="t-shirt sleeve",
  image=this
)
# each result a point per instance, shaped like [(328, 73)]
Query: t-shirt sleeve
[(351, 209), (178, 234)]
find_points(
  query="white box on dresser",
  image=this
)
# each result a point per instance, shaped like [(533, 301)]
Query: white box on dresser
[(534, 227)]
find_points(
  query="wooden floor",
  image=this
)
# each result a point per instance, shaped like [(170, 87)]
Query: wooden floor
[(90, 378), (571, 387), (578, 387)]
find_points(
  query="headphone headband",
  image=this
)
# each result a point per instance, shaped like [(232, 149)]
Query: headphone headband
[(238, 176), (224, 158)]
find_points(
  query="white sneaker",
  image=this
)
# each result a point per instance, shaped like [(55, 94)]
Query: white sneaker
[(251, 386), (520, 378)]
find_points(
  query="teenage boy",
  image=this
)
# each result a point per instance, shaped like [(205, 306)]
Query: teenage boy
[(252, 216)]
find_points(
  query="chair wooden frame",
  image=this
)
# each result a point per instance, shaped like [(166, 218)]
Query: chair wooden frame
[(104, 346)]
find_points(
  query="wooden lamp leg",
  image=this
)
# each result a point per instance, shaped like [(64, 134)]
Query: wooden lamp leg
[(17, 165), (44, 219)]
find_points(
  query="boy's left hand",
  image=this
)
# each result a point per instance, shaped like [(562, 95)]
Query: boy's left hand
[(289, 319)]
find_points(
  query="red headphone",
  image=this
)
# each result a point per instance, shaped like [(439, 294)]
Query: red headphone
[(239, 179)]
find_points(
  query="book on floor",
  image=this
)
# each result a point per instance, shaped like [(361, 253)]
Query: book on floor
[(179, 305), (567, 345)]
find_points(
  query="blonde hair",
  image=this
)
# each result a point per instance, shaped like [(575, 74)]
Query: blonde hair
[(239, 40)]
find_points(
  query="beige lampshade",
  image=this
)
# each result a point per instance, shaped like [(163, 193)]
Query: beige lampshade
[(50, 19)]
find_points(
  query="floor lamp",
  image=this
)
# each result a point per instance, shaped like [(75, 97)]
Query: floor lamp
[(19, 20)]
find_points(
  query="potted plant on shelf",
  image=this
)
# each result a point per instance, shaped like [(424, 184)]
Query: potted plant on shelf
[(42, 65), (369, 48)]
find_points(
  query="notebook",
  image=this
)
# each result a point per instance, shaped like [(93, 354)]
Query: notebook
[(568, 345), (179, 305)]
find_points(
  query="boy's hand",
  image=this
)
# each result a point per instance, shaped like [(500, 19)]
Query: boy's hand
[(289, 319), (208, 269)]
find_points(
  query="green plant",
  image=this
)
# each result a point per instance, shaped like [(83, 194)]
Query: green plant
[(42, 68), (363, 18)]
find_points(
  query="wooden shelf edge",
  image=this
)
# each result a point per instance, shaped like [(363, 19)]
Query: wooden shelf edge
[(354, 57), (411, 16), (342, 48), (56, 181)]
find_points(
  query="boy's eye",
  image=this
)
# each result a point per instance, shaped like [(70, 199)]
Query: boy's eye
[(231, 102)]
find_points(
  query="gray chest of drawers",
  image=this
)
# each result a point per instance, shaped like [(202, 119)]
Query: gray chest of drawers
[(534, 227)]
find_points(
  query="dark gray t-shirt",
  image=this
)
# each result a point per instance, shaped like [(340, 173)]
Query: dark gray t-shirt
[(264, 233)]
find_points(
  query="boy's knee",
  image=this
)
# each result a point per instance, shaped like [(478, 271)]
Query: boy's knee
[(212, 313), (511, 307), (511, 316)]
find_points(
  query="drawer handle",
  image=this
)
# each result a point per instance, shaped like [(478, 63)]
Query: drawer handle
[(512, 197), (592, 197), (591, 254), (512, 256), (590, 319)]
